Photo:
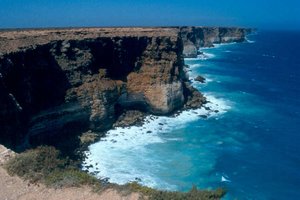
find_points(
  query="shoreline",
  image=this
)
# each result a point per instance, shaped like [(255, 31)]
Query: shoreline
[(96, 96), (211, 108), (34, 184)]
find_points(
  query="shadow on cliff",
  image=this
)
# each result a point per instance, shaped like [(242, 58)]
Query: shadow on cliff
[(35, 106), (31, 82), (119, 56)]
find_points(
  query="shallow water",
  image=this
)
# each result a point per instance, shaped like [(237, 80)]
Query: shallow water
[(251, 146)]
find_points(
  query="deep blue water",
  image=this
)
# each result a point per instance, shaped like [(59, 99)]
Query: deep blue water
[(254, 143), (262, 81)]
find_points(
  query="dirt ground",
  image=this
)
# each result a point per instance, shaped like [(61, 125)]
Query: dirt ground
[(14, 188)]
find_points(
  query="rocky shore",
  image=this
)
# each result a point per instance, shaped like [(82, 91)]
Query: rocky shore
[(58, 83)]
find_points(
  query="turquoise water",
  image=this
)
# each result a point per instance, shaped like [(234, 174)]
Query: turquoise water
[(251, 145)]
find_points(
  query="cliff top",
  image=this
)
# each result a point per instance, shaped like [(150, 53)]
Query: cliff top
[(14, 40), (17, 39)]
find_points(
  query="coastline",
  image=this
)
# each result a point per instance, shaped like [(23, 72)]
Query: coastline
[(192, 97), (147, 132), (88, 90)]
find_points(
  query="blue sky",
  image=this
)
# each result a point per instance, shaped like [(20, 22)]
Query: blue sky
[(64, 13)]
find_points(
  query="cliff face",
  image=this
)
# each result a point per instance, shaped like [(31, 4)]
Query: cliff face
[(61, 82), (195, 37)]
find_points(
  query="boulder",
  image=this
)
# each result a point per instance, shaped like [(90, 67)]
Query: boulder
[(200, 79)]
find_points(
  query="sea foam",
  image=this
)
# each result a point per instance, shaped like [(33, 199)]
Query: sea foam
[(203, 56), (115, 156), (249, 41), (123, 155)]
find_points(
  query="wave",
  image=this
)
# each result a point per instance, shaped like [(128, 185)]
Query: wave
[(202, 56), (206, 56), (115, 156), (217, 45), (192, 66), (208, 79), (248, 40), (124, 155), (192, 59)]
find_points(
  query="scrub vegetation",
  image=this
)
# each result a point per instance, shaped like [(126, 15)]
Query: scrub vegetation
[(46, 165)]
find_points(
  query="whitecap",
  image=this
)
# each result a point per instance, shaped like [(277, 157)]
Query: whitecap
[(205, 56), (194, 65), (224, 179), (202, 56), (249, 41), (192, 59), (122, 156), (218, 45)]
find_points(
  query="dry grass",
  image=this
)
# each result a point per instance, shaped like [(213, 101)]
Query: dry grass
[(45, 164)]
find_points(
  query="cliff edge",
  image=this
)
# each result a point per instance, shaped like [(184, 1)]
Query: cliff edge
[(59, 82), (195, 37)]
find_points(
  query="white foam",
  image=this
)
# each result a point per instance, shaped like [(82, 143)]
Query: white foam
[(123, 155), (192, 59), (217, 45), (206, 56), (208, 79), (203, 56), (192, 75), (115, 156), (204, 48), (223, 179), (249, 41), (192, 66)]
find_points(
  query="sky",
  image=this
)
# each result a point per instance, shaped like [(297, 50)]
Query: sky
[(268, 14)]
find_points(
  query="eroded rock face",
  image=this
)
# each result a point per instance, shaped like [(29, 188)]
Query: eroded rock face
[(59, 82), (194, 99), (69, 85), (195, 37), (158, 80), (190, 50), (130, 118)]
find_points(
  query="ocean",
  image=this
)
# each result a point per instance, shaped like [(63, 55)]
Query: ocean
[(250, 141)]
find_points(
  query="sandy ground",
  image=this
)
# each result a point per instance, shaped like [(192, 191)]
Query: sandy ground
[(14, 188)]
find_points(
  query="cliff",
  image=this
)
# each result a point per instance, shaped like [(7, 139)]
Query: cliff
[(195, 37), (62, 82)]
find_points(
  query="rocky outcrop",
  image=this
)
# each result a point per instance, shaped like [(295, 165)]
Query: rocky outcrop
[(200, 79), (60, 82), (195, 37), (54, 82), (194, 99), (130, 118)]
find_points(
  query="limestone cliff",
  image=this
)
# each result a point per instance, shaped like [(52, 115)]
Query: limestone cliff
[(195, 37), (60, 82)]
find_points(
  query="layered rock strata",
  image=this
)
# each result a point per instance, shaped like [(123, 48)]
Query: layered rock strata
[(195, 37), (60, 82)]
